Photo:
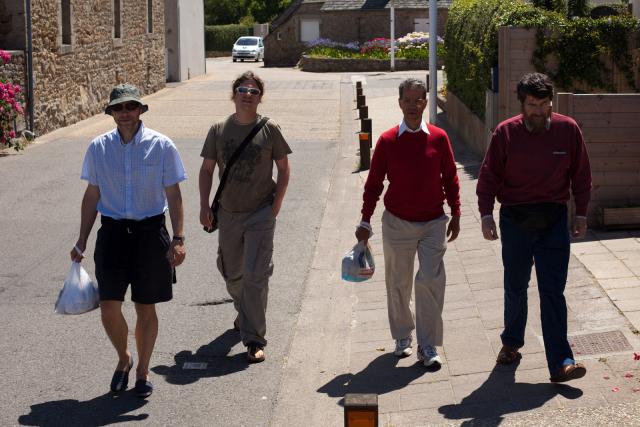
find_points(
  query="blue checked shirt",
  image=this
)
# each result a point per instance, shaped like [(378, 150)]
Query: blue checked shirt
[(132, 177)]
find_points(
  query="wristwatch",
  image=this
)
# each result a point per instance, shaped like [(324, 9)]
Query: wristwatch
[(179, 238)]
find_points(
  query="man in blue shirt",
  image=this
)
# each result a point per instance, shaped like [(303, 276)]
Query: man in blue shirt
[(133, 176)]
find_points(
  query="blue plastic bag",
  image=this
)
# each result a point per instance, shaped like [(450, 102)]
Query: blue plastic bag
[(358, 264)]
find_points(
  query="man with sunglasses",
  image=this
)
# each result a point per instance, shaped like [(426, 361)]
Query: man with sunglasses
[(133, 176), (249, 205)]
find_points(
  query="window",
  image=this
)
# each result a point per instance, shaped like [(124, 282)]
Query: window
[(65, 21), (309, 29), (149, 16), (117, 19)]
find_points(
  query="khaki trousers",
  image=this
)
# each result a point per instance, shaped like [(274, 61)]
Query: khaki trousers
[(401, 240), (245, 261)]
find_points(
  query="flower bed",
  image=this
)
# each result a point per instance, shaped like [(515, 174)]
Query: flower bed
[(411, 53), (10, 108)]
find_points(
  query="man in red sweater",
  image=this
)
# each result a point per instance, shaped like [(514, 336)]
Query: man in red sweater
[(417, 160), (532, 162)]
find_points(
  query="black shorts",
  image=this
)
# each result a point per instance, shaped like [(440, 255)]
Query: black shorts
[(134, 252)]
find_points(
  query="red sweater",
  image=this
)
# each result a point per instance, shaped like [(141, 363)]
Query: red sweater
[(525, 167), (421, 171)]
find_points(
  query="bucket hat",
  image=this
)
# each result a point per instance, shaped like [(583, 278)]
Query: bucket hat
[(123, 93)]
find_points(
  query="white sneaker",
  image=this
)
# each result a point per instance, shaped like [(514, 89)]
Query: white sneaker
[(429, 356), (403, 347)]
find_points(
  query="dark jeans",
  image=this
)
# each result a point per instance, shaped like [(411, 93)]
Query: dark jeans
[(550, 251)]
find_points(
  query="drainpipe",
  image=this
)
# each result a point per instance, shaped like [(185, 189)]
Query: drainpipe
[(29, 66)]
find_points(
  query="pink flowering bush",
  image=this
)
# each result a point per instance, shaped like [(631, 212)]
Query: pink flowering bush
[(10, 108)]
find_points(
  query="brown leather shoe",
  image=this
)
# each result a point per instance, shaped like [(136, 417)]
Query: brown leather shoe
[(569, 372), (508, 355), (255, 353)]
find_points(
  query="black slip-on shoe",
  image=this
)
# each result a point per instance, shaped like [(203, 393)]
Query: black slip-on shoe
[(120, 379)]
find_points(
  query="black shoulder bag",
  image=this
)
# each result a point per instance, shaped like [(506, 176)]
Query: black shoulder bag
[(215, 205)]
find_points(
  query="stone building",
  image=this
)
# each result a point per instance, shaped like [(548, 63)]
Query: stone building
[(344, 21), (81, 49)]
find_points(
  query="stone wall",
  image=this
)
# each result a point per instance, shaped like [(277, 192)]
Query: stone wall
[(323, 65), (73, 82), (284, 48), (14, 71)]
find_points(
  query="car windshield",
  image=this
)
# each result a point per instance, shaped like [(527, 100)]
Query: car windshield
[(247, 42)]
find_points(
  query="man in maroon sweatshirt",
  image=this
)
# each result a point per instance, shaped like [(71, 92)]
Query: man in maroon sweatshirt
[(534, 159), (417, 160)]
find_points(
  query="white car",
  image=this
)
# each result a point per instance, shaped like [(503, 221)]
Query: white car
[(248, 48)]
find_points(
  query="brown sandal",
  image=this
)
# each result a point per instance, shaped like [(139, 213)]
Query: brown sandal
[(508, 355)]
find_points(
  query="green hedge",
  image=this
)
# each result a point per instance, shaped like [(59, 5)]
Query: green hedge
[(471, 42), (221, 37)]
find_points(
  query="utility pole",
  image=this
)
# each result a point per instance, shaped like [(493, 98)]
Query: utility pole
[(393, 36), (433, 60)]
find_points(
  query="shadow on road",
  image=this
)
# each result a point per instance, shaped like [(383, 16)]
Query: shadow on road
[(380, 376), (500, 395), (213, 354), (103, 410)]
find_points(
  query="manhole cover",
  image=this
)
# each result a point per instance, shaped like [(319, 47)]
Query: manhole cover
[(600, 342)]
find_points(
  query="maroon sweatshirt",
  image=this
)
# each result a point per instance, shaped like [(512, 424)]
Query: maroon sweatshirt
[(421, 172), (525, 167)]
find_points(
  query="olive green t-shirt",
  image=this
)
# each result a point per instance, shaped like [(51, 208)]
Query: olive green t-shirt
[(250, 185)]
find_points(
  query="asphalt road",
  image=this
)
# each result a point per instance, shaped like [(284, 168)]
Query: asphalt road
[(57, 369)]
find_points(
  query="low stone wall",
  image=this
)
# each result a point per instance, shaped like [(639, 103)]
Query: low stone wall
[(467, 125), (324, 65)]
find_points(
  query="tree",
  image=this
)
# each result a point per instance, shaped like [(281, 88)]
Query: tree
[(266, 10), (222, 12)]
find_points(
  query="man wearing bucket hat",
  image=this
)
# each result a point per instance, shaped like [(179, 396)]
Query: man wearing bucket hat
[(133, 176)]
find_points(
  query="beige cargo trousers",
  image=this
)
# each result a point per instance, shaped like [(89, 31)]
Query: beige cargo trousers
[(245, 261)]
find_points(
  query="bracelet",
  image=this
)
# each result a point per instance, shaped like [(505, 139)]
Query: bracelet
[(179, 238)]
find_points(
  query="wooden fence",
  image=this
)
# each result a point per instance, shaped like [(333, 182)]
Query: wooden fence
[(610, 125)]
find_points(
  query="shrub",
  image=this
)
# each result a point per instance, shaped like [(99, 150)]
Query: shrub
[(471, 41), (10, 108), (416, 46), (221, 37)]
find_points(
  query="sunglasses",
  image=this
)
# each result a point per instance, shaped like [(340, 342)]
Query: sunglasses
[(129, 106), (249, 90)]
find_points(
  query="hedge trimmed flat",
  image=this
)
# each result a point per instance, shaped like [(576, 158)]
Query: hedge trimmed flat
[(508, 355)]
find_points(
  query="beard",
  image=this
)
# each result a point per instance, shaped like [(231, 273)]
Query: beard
[(537, 123)]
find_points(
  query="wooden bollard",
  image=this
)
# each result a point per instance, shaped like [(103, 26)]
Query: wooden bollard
[(360, 410), (363, 112), (359, 91), (361, 101), (358, 84), (365, 150)]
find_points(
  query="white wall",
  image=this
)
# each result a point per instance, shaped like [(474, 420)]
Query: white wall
[(184, 39)]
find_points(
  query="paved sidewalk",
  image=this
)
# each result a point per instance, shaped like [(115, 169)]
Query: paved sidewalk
[(352, 351)]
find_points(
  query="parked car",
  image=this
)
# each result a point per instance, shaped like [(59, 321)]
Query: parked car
[(248, 47)]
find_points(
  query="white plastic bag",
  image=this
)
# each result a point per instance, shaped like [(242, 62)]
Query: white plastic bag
[(358, 264), (79, 294)]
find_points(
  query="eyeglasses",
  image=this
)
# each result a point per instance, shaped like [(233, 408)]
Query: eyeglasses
[(250, 90), (129, 106)]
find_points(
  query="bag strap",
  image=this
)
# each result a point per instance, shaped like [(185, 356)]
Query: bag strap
[(235, 156)]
